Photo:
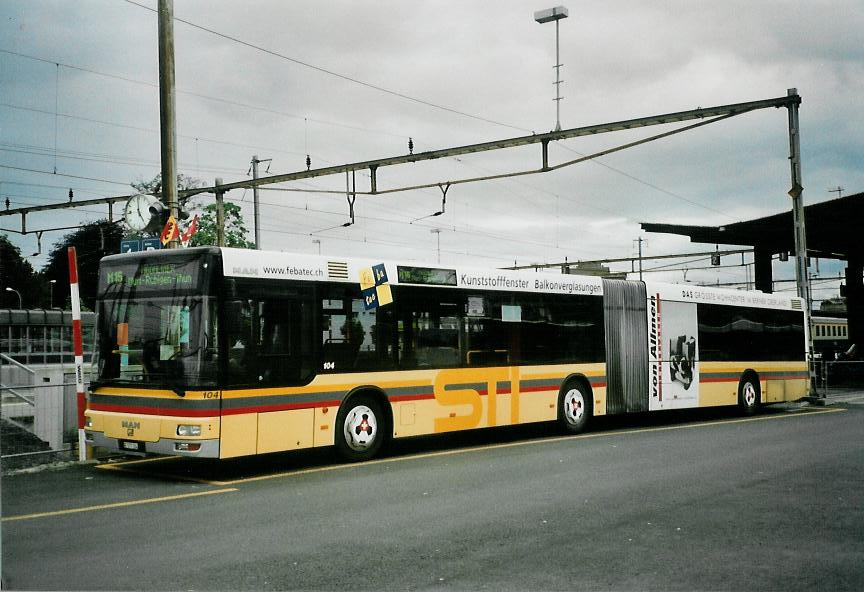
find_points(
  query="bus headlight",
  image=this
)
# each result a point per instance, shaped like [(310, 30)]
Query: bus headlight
[(88, 422), (188, 430)]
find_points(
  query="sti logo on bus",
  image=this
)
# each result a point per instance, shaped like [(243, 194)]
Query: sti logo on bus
[(461, 387)]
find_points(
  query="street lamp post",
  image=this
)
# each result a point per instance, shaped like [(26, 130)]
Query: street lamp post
[(51, 297), (20, 301), (545, 16)]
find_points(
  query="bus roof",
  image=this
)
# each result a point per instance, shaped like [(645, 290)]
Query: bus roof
[(245, 263)]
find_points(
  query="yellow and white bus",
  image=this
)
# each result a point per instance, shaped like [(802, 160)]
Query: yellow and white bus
[(221, 353)]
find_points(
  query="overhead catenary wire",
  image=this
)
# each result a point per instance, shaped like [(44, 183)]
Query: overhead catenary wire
[(222, 100), (545, 245), (334, 73), (266, 109)]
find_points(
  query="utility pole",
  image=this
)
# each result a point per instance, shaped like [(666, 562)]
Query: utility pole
[(167, 119), (640, 241), (545, 16), (220, 214), (796, 193), (255, 162)]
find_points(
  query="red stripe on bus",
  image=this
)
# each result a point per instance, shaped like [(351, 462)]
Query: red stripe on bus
[(282, 407), (153, 410), (404, 398), (137, 410)]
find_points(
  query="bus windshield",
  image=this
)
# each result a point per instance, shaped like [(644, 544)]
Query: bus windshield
[(157, 341), (157, 324)]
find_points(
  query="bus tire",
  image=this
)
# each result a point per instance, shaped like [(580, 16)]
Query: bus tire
[(575, 406), (749, 394), (361, 428)]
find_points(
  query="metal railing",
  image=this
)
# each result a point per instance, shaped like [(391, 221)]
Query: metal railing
[(38, 413), (839, 376)]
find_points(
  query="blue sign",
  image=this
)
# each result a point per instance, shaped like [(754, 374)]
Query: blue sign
[(130, 245), (151, 244)]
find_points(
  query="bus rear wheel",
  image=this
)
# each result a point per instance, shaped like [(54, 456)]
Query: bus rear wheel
[(361, 427), (749, 394), (575, 407)]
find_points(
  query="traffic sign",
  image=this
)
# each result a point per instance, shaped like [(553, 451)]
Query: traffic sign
[(130, 245), (150, 244)]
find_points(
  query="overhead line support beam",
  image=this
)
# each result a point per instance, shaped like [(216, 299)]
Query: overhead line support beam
[(700, 113), (721, 112)]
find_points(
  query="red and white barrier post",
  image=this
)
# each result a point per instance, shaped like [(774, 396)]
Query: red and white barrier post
[(78, 347)]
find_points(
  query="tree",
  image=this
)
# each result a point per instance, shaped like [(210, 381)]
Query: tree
[(235, 228), (154, 185), (17, 273), (92, 241)]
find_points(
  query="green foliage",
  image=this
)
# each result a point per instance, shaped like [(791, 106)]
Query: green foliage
[(235, 229), (154, 185), (17, 273), (92, 241)]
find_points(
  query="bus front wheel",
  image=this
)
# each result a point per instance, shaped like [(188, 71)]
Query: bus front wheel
[(575, 407), (361, 427), (749, 394)]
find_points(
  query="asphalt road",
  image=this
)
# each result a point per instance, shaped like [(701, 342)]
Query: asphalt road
[(672, 502)]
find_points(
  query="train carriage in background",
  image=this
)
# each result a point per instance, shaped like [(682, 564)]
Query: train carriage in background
[(830, 336)]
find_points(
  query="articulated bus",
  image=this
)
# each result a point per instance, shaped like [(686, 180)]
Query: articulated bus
[(221, 353)]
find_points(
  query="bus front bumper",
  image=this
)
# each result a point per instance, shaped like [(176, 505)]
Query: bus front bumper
[(166, 446)]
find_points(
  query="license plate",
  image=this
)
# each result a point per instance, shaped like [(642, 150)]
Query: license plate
[(134, 446)]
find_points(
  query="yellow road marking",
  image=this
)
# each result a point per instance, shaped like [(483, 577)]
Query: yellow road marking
[(444, 453), (121, 467), (151, 500), (511, 445), (139, 461)]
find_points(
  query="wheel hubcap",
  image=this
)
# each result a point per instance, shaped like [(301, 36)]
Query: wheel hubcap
[(749, 394), (574, 406), (361, 428)]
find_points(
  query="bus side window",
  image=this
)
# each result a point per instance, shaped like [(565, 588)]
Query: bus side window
[(339, 335), (429, 332), (353, 338), (285, 352)]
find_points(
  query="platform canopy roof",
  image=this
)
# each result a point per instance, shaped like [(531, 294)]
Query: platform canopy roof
[(834, 230)]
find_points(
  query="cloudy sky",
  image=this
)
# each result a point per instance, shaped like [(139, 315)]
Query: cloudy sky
[(352, 81)]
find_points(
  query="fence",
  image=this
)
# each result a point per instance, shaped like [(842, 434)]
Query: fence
[(38, 407), (839, 376), (38, 413)]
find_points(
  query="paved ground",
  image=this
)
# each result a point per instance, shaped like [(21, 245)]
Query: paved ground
[(681, 501)]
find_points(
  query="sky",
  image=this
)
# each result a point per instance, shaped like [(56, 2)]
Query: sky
[(353, 81)]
